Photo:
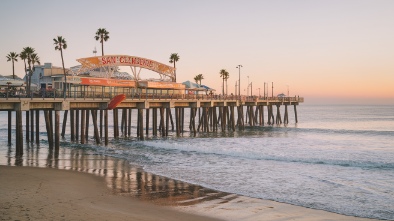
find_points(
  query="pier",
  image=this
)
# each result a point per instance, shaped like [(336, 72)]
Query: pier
[(208, 114)]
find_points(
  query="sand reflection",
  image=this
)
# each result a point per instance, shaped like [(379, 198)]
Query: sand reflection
[(121, 177)]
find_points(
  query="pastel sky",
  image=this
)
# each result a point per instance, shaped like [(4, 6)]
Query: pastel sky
[(326, 51)]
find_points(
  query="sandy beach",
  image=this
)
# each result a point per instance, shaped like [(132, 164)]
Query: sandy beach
[(30, 193)]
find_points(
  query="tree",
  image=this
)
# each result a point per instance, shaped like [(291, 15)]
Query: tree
[(34, 59), (61, 44), (12, 56), (196, 79), (174, 57), (200, 77), (28, 51), (102, 35), (224, 75), (23, 56)]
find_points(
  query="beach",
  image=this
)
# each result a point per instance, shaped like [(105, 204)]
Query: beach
[(30, 193)]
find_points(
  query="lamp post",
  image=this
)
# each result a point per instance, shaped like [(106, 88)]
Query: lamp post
[(272, 89), (239, 79), (235, 91), (247, 88), (251, 94), (288, 90)]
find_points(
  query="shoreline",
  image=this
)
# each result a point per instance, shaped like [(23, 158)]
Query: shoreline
[(124, 184), (50, 194)]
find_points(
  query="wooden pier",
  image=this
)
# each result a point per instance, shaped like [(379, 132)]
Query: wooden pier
[(206, 114)]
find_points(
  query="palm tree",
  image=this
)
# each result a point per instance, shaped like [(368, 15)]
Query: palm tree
[(224, 75), (227, 77), (102, 35), (174, 57), (61, 44), (200, 77), (196, 79), (12, 56), (23, 56), (34, 59), (28, 51)]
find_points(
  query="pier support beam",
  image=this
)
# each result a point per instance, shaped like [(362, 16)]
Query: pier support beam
[(295, 113), (49, 129), (19, 133), (141, 123), (72, 125), (31, 125), (38, 127), (9, 126), (64, 122), (106, 127), (95, 128), (57, 130), (83, 125), (27, 115)]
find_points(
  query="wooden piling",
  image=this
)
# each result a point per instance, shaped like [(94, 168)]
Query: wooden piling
[(31, 125), (83, 125), (27, 136), (154, 121), (177, 121), (116, 122), (95, 128), (57, 130), (168, 115), (37, 127), (64, 122), (182, 119), (87, 125), (72, 125), (48, 128), (122, 122), (101, 123), (77, 123), (141, 122), (19, 133), (295, 113), (9, 126), (147, 121), (162, 130), (286, 117), (129, 123), (172, 122), (106, 127)]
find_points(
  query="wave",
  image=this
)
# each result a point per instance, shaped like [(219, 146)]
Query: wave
[(175, 150), (324, 131)]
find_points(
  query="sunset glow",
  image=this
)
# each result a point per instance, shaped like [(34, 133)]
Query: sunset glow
[(315, 49)]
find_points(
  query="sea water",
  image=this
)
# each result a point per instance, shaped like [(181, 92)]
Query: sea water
[(338, 158)]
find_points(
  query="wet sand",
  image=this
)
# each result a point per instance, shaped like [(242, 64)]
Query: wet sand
[(31, 193), (77, 185)]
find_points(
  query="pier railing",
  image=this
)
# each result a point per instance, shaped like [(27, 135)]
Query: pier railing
[(47, 95)]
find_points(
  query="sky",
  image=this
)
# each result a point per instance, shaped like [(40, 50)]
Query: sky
[(336, 51)]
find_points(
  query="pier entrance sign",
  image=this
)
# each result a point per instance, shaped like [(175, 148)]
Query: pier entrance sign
[(110, 63)]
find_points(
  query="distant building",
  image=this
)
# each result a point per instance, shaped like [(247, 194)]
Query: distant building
[(47, 76)]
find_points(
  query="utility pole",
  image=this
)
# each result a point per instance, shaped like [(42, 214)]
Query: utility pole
[(251, 89), (272, 89), (235, 91), (239, 80)]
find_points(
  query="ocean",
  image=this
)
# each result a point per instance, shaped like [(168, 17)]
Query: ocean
[(338, 158)]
